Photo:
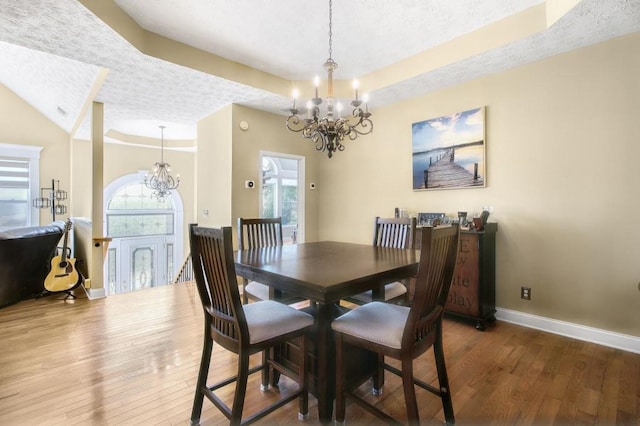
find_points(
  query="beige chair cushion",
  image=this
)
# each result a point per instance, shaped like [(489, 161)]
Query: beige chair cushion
[(378, 322), (257, 290), (391, 291), (267, 319)]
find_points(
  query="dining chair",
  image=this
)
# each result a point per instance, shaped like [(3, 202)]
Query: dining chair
[(394, 233), (403, 332), (257, 233), (242, 329)]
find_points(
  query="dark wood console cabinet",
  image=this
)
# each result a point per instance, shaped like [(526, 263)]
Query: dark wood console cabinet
[(473, 290)]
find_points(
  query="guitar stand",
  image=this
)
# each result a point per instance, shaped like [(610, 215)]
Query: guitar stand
[(69, 296)]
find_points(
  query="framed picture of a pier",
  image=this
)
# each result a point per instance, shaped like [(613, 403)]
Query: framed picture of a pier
[(449, 151)]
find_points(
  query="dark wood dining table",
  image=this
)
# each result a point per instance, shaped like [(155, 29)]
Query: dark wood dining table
[(324, 273)]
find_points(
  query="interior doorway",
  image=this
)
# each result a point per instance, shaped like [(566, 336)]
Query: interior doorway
[(282, 192)]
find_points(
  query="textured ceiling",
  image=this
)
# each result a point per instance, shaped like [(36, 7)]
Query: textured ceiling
[(52, 51), (280, 37)]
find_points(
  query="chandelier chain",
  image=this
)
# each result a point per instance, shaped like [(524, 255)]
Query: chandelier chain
[(162, 144), (330, 29)]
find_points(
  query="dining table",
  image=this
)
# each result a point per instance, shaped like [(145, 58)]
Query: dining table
[(324, 273)]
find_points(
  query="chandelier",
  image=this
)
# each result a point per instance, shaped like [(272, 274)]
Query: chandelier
[(161, 182), (329, 131)]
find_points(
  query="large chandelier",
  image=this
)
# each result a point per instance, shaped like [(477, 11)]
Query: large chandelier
[(330, 131), (161, 182)]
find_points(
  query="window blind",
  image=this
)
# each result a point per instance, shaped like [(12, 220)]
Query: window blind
[(14, 173)]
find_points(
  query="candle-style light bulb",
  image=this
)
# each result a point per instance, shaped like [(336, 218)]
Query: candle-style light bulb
[(355, 85), (365, 99), (309, 106), (316, 83), (295, 95), (339, 109)]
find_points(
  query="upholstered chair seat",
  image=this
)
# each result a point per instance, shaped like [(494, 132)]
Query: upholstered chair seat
[(267, 319)]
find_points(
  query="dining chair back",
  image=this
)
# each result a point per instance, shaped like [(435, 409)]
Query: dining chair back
[(395, 232), (403, 332), (262, 232), (241, 329), (259, 233)]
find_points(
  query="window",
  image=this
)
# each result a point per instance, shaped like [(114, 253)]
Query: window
[(19, 179)]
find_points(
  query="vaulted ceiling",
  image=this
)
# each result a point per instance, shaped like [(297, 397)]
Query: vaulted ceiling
[(173, 62)]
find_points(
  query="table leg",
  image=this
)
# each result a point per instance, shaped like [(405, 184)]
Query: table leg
[(326, 362), (378, 379)]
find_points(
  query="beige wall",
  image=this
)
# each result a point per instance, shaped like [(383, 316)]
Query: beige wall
[(267, 132), (562, 158), (214, 169), (21, 124)]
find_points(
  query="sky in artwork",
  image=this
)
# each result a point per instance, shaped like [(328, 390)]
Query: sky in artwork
[(459, 128)]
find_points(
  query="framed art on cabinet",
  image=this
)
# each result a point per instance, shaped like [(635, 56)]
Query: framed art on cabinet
[(449, 151)]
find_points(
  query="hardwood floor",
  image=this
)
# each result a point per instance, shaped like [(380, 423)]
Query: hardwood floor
[(133, 359)]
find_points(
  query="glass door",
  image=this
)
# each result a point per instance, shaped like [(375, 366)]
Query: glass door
[(143, 259), (282, 193)]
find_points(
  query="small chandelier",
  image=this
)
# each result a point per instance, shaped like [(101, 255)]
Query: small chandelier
[(329, 131), (161, 182)]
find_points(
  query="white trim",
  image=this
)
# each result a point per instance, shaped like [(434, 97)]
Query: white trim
[(576, 331), (95, 293), (29, 151)]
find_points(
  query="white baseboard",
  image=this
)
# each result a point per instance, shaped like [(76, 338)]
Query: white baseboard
[(576, 331), (95, 293)]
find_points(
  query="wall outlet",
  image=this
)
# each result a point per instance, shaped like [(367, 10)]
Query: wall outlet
[(525, 293)]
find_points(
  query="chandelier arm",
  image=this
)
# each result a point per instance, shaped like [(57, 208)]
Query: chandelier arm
[(319, 140), (294, 124), (365, 127)]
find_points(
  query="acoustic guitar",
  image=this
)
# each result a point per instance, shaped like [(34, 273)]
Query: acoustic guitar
[(63, 275)]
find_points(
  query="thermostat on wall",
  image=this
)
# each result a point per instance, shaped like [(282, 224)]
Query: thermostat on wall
[(244, 125)]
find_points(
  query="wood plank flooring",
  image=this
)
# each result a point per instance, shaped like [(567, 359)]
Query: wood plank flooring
[(133, 359)]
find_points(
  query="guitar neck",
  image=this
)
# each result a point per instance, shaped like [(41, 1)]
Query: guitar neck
[(66, 240)]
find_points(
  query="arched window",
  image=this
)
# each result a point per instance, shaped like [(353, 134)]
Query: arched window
[(133, 212), (147, 235)]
